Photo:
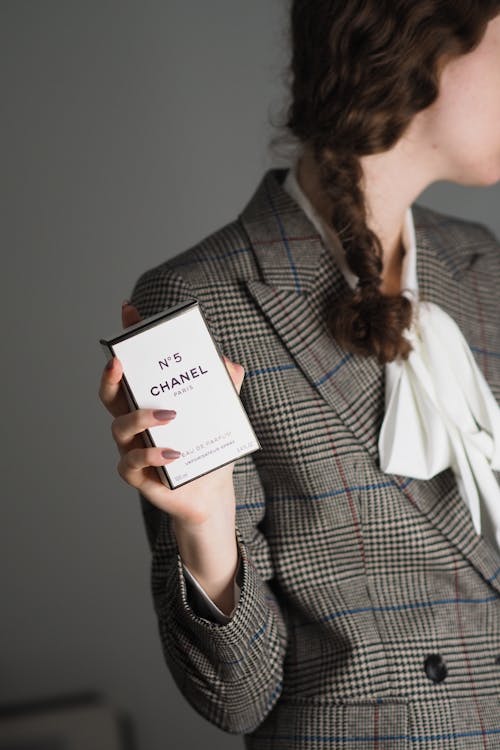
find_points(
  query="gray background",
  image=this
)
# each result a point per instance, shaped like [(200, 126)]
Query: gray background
[(130, 130)]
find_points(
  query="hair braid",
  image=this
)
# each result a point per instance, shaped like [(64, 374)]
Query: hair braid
[(364, 321)]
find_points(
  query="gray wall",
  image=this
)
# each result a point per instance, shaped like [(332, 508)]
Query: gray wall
[(130, 130)]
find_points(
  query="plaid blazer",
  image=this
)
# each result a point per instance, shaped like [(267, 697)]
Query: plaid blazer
[(369, 613)]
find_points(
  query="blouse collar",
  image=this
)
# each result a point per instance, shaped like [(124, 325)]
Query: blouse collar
[(409, 279)]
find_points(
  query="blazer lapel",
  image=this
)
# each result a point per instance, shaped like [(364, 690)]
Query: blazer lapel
[(300, 279)]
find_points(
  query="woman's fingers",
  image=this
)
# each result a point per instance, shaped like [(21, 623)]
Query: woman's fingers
[(110, 390), (132, 464), (126, 427), (130, 314), (236, 371)]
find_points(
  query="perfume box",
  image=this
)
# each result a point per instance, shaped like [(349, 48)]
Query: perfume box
[(171, 361)]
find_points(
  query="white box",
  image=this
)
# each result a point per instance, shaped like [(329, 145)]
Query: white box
[(171, 361)]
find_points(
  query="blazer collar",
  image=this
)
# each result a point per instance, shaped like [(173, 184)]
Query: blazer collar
[(288, 247), (299, 280)]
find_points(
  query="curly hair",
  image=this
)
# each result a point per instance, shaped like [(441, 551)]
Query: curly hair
[(360, 70)]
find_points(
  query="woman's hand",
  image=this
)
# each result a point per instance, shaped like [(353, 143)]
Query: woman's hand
[(195, 503)]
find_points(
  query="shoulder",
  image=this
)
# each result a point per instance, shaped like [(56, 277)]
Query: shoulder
[(449, 228), (212, 270), (223, 255), (463, 245)]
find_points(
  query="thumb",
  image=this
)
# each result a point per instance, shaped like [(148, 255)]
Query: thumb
[(130, 314), (236, 371)]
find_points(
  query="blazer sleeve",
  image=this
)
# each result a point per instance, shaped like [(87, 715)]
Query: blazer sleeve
[(231, 673)]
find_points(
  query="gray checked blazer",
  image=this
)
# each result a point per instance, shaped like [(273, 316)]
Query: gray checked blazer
[(369, 613)]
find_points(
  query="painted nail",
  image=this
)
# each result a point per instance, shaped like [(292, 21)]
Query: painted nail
[(164, 414), (169, 453), (125, 302)]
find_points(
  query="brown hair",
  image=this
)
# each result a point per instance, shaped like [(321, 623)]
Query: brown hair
[(360, 71)]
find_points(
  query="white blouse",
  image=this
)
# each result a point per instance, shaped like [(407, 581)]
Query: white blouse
[(439, 409)]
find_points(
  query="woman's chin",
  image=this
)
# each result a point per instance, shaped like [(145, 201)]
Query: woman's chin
[(485, 177)]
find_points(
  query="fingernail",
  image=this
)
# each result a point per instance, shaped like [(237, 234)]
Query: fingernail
[(164, 413), (125, 302), (169, 453), (109, 364)]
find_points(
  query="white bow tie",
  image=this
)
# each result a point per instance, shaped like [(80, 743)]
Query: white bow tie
[(443, 414)]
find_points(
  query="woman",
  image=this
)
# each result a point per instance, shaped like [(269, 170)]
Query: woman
[(341, 586)]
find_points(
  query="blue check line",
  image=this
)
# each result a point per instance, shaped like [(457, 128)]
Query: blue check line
[(254, 637), (258, 633), (344, 739), (330, 493), (485, 351), (452, 735), (326, 376), (276, 368), (400, 607), (249, 506), (403, 485), (285, 241), (492, 578), (333, 370), (274, 693)]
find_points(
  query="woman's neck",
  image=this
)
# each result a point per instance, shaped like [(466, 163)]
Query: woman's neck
[(391, 182)]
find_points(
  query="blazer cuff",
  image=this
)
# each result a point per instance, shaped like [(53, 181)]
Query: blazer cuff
[(202, 604)]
